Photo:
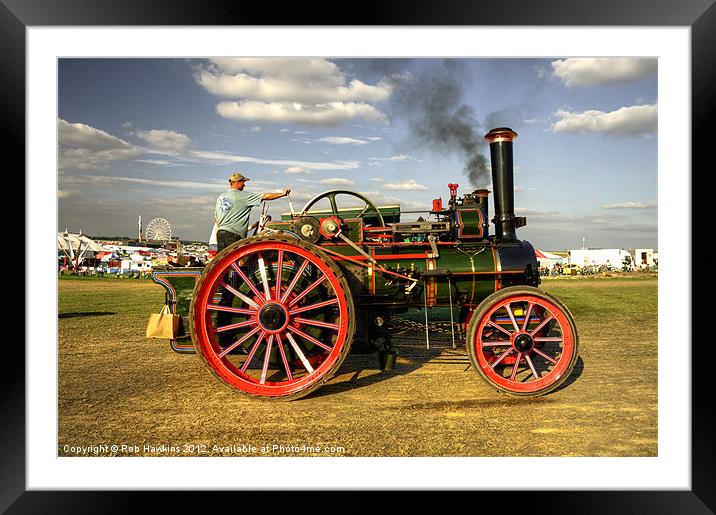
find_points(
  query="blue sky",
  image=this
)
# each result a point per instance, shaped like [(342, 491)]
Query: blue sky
[(159, 138)]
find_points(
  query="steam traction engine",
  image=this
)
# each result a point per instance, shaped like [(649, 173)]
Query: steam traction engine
[(275, 314)]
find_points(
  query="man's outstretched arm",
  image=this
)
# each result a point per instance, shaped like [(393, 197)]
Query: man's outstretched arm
[(274, 196)]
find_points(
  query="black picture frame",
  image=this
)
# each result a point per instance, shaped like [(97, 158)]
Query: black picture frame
[(17, 15)]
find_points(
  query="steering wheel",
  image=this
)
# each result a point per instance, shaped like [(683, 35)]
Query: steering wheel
[(331, 196)]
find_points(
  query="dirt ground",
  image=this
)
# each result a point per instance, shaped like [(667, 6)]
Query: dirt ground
[(117, 387)]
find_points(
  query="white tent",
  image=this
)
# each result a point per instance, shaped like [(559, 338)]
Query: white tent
[(547, 259), (75, 246)]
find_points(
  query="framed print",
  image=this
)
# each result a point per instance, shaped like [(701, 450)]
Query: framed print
[(56, 74)]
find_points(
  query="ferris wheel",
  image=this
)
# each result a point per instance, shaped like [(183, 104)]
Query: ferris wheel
[(159, 230)]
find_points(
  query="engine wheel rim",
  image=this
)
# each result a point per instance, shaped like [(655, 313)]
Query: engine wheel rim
[(286, 326), (331, 196), (524, 343)]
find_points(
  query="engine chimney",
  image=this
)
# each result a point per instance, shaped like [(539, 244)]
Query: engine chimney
[(500, 141)]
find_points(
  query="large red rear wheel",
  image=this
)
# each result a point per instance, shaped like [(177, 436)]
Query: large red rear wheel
[(523, 341), (272, 316)]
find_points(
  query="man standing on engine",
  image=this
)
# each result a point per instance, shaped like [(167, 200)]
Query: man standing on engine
[(231, 215), (233, 208)]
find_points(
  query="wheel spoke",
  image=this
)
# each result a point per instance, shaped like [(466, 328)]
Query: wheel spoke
[(240, 341), (307, 290), (502, 356), (240, 295), (267, 356), (300, 354), (252, 352), (245, 278), (365, 209), (279, 344), (548, 339), (512, 316), (545, 356), (496, 343), (294, 281), (517, 365), (532, 367), (527, 316), (497, 326), (240, 311), (278, 275), (235, 326), (309, 338), (544, 322), (317, 323), (264, 277), (314, 306)]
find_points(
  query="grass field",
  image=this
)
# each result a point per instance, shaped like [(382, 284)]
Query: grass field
[(118, 387)]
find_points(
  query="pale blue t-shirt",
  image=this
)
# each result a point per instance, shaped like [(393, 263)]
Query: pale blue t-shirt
[(233, 208)]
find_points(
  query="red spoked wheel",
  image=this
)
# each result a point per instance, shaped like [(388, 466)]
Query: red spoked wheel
[(523, 341), (272, 316)]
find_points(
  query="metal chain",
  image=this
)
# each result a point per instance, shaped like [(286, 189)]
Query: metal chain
[(401, 325)]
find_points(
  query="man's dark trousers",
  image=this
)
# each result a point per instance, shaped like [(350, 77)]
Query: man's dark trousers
[(223, 240)]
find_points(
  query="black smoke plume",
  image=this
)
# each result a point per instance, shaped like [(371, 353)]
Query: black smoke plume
[(431, 101)]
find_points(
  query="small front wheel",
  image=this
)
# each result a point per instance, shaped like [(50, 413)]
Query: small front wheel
[(523, 341)]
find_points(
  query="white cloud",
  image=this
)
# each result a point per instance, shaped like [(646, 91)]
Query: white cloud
[(288, 80), (376, 179), (165, 140), (70, 159), (408, 184), (374, 138), (83, 147), (340, 140), (399, 157), (534, 212), (87, 181), (255, 129), (225, 157), (627, 121), (276, 90), (80, 135), (304, 91), (296, 170), (591, 72), (631, 205), (159, 162), (328, 114), (284, 131), (311, 70), (337, 181)]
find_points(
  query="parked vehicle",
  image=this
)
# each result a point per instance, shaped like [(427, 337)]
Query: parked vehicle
[(571, 269)]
